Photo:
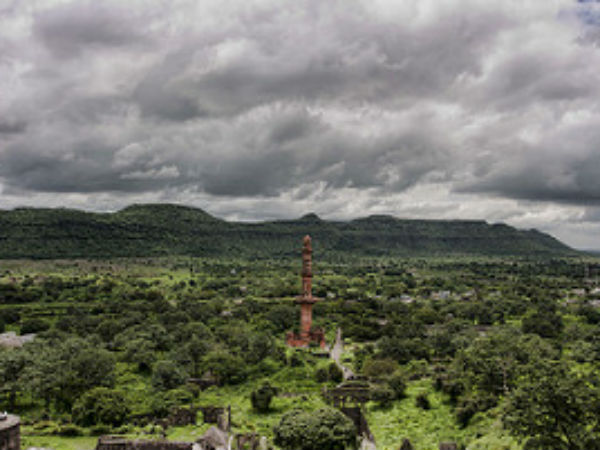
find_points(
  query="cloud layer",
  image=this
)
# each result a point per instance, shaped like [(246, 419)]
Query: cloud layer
[(262, 109)]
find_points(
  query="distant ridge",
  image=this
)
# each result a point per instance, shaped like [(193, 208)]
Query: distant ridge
[(167, 229)]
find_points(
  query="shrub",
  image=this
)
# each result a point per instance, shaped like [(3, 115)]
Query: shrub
[(422, 402), (100, 429), (383, 395), (324, 429), (322, 374), (69, 430), (295, 359), (167, 375), (100, 405), (379, 368), (10, 316), (261, 398), (335, 373), (34, 326), (397, 385), (227, 368)]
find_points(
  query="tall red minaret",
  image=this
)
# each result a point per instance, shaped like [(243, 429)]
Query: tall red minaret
[(306, 301)]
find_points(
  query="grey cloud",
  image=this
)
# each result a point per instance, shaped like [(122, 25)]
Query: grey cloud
[(564, 166), (591, 215), (332, 53), (256, 103), (73, 27), (12, 126)]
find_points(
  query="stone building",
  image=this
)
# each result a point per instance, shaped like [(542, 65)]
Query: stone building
[(10, 432)]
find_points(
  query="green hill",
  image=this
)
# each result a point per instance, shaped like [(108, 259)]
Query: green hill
[(165, 229)]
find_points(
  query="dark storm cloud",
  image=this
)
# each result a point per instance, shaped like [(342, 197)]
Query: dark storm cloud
[(12, 127), (80, 26), (341, 102)]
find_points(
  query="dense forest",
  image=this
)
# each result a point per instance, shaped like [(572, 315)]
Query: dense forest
[(489, 353), (163, 230)]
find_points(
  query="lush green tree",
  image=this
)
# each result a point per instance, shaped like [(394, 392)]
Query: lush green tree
[(100, 406), (282, 317), (166, 374), (544, 322), (324, 429), (141, 352), (556, 408), (12, 366), (227, 368), (196, 349), (63, 370), (397, 384), (259, 347)]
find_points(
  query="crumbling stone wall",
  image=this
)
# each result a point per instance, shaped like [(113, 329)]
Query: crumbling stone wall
[(118, 443), (360, 422), (10, 433)]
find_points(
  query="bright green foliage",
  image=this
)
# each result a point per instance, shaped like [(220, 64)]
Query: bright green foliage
[(557, 409), (451, 324), (543, 322), (490, 367), (324, 429), (62, 371), (100, 406)]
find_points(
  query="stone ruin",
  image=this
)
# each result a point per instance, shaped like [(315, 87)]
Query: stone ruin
[(180, 417), (121, 443), (10, 339), (216, 437), (10, 432), (350, 397), (207, 380), (217, 415), (213, 439)]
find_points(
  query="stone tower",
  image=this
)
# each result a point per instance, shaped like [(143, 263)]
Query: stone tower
[(306, 301)]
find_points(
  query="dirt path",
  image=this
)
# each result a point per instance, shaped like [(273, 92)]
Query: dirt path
[(336, 354)]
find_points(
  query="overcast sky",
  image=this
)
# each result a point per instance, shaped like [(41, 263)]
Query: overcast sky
[(264, 109)]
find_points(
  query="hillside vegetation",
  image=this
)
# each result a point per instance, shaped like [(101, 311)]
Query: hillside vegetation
[(165, 229)]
